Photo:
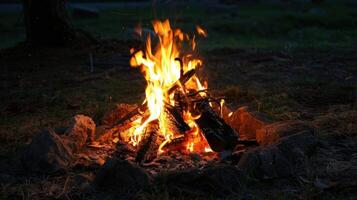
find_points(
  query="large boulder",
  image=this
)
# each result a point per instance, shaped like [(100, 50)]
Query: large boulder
[(280, 159), (47, 153), (117, 174), (265, 163), (297, 146), (273, 132), (81, 130)]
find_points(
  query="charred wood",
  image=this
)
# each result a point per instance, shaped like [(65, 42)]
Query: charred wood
[(149, 145), (177, 143), (219, 135), (175, 121)]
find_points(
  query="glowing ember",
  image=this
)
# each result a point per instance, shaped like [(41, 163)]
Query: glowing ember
[(161, 70)]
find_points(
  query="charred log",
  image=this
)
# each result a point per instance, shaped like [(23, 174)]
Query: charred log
[(177, 143), (175, 121), (219, 135), (149, 144)]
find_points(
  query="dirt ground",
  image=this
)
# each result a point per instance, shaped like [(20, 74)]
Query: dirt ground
[(45, 87)]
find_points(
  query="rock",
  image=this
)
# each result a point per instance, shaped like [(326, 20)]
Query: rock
[(195, 156), (80, 12), (247, 122), (110, 118), (272, 132), (265, 163), (250, 162), (82, 128), (47, 153), (120, 174), (82, 180), (224, 178), (281, 158), (273, 163), (298, 146), (220, 179)]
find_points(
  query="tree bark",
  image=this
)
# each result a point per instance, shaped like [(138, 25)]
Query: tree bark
[(47, 22)]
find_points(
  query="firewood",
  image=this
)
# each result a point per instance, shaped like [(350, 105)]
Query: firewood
[(177, 143), (175, 121), (219, 135), (149, 144), (142, 108)]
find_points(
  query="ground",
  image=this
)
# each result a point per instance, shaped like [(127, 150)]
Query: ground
[(290, 61)]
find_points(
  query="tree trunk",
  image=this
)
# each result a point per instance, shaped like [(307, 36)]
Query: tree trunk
[(47, 22)]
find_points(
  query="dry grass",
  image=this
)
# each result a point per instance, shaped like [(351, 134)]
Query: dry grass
[(342, 121)]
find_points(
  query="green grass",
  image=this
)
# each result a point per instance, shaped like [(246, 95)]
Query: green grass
[(263, 26)]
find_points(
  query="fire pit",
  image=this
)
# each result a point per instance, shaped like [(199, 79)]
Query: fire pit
[(178, 111), (180, 128)]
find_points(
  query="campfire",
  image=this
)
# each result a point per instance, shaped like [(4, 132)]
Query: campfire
[(180, 131), (178, 113)]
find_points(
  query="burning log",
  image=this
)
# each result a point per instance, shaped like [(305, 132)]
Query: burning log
[(177, 143), (175, 121), (142, 108), (219, 135), (149, 144)]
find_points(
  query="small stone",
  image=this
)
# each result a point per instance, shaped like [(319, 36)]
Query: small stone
[(121, 174), (195, 156), (225, 154), (82, 128), (47, 153), (247, 122), (271, 133)]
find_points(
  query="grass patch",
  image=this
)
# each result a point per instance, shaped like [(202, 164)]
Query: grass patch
[(263, 26)]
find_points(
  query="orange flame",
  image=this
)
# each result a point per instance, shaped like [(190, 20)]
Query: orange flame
[(201, 32), (161, 71)]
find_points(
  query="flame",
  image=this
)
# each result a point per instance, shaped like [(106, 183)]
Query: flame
[(189, 146), (230, 114), (201, 32), (208, 149), (221, 106), (161, 71)]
